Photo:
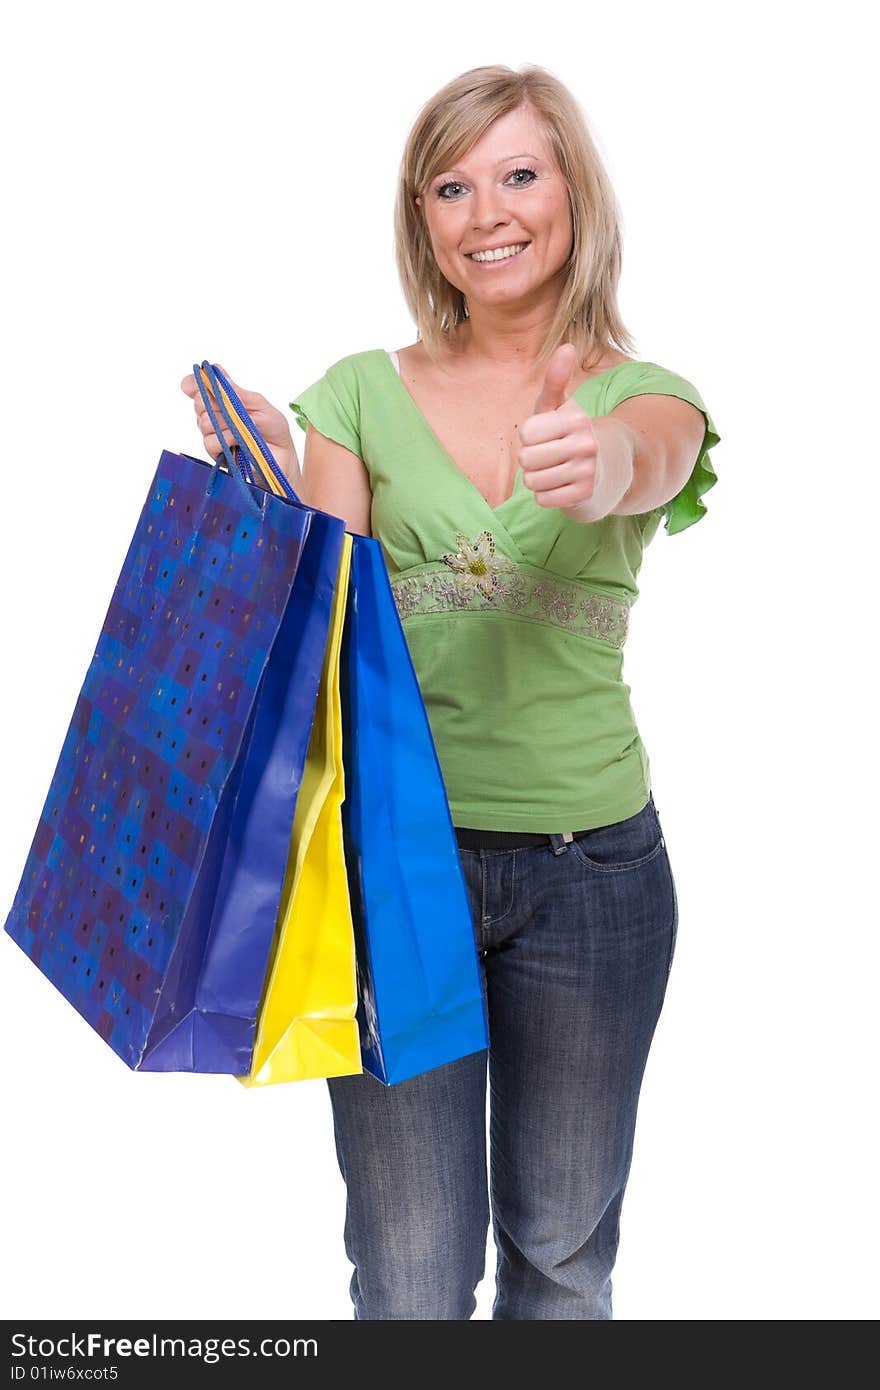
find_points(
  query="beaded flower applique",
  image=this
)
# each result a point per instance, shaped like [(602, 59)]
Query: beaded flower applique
[(475, 565)]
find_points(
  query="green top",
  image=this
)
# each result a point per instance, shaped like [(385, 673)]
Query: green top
[(515, 615)]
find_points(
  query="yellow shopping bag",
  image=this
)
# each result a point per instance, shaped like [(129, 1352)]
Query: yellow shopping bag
[(307, 1025)]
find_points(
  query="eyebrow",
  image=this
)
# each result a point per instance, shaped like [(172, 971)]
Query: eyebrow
[(524, 155)]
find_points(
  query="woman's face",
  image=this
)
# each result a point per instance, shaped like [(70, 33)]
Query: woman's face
[(505, 191)]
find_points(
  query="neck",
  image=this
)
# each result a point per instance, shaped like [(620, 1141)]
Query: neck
[(502, 336)]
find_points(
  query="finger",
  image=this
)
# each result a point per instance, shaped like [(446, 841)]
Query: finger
[(563, 486), (206, 425), (213, 448), (251, 400), (566, 496), (556, 378), (537, 457), (192, 389), (559, 475), (210, 433), (190, 385)]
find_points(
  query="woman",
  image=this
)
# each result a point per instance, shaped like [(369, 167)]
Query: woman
[(513, 462)]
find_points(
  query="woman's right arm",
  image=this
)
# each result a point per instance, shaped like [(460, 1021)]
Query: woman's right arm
[(336, 481)]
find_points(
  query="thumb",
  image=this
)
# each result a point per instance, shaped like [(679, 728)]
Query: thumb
[(220, 367), (558, 373), (247, 398)]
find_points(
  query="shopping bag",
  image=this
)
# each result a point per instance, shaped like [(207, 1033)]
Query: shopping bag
[(421, 1001), (420, 996), (307, 1025), (151, 890)]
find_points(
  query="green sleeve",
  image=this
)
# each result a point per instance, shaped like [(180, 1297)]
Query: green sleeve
[(332, 405), (648, 378)]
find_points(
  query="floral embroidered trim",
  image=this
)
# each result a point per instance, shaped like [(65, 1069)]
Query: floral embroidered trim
[(482, 580), (476, 565)]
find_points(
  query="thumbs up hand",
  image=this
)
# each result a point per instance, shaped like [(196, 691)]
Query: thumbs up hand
[(558, 450)]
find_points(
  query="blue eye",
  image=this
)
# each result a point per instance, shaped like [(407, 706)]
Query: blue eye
[(522, 170)]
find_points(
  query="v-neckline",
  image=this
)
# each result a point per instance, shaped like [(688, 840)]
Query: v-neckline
[(518, 483)]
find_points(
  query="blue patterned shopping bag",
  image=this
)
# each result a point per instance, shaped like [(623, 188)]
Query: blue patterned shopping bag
[(151, 889), (421, 1001)]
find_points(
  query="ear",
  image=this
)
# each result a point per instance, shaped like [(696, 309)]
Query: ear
[(419, 199)]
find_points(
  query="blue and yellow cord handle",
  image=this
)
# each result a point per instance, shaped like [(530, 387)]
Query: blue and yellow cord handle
[(211, 381)]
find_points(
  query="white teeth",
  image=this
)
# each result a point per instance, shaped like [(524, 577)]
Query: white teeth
[(502, 253)]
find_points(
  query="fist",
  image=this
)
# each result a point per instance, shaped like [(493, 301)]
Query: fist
[(269, 421), (558, 450)]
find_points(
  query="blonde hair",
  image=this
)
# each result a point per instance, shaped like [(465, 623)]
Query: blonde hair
[(447, 126)]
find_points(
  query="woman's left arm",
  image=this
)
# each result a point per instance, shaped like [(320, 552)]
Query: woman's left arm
[(632, 460), (646, 450), (658, 438)]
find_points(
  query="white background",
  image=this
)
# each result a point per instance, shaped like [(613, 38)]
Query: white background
[(217, 181)]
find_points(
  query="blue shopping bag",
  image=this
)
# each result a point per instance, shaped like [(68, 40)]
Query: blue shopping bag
[(151, 890), (420, 994), (421, 1001)]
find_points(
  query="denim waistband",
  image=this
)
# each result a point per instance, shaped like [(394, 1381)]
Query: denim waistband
[(509, 839), (516, 839)]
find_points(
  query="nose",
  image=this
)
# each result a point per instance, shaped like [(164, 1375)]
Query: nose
[(488, 208)]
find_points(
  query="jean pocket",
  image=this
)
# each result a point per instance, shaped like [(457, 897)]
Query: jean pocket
[(673, 937), (627, 844)]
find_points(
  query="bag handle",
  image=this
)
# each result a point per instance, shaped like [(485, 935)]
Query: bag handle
[(208, 375), (248, 437), (252, 436), (240, 474), (232, 462)]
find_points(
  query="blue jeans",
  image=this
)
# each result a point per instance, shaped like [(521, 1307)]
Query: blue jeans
[(576, 942)]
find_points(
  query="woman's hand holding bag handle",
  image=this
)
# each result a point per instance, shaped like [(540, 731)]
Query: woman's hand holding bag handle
[(269, 421)]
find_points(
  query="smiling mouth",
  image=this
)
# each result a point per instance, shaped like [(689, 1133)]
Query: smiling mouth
[(499, 260)]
